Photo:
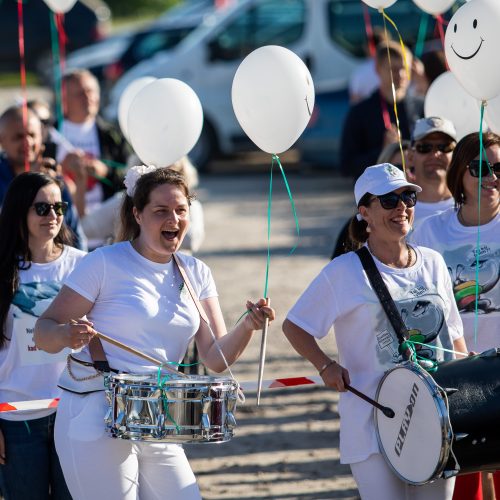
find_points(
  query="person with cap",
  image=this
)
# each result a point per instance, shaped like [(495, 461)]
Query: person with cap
[(433, 141), (367, 343)]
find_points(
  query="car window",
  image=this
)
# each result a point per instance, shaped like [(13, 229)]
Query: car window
[(347, 28), (275, 22), (151, 43)]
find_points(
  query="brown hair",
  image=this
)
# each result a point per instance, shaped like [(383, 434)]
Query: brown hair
[(129, 229), (466, 150), (357, 228), (394, 49)]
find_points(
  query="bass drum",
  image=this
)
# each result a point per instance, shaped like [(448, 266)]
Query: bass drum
[(444, 424)]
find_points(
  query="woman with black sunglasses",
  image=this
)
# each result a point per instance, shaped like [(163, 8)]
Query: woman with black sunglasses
[(468, 237), (341, 296), (35, 258)]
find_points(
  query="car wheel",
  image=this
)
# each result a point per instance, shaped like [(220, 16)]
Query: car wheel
[(205, 149)]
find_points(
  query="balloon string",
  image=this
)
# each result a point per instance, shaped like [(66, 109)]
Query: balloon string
[(57, 68), (408, 73), (292, 203), (63, 40), (422, 31), (478, 242), (22, 69), (437, 348), (440, 26), (369, 30), (393, 88)]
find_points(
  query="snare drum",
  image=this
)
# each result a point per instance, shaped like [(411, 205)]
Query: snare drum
[(445, 423), (197, 409)]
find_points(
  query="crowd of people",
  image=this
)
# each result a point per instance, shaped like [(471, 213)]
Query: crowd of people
[(427, 220)]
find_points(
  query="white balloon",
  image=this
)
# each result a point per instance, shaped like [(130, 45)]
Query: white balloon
[(492, 114), (60, 6), (128, 95), (164, 121), (446, 98), (434, 7), (273, 97), (379, 4), (471, 45)]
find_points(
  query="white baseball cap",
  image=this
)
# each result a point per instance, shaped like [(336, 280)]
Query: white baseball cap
[(431, 124), (381, 179)]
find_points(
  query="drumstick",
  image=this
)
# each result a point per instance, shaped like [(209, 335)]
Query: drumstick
[(262, 358), (127, 348), (388, 412)]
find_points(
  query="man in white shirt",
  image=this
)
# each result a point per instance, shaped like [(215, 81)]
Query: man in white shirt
[(91, 149), (432, 145)]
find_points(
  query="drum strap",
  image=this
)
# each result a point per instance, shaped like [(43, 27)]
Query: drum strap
[(202, 312), (98, 355), (191, 291), (384, 296)]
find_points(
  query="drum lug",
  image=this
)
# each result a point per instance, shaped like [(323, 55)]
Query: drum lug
[(450, 390), (447, 474), (160, 426), (205, 419), (230, 420)]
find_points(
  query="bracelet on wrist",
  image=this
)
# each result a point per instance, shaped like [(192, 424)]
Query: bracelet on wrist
[(325, 366)]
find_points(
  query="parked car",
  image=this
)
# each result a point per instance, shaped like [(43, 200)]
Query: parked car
[(327, 34), (84, 24), (109, 59)]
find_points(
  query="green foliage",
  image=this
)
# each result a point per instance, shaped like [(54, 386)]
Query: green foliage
[(137, 8)]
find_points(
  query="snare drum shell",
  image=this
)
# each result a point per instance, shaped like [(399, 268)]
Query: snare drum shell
[(185, 410)]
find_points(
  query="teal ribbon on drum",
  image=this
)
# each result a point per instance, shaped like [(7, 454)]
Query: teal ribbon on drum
[(161, 385)]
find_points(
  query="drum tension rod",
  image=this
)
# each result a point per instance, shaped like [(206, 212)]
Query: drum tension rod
[(388, 412)]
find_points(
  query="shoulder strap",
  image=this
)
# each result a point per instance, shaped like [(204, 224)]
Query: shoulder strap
[(98, 355), (187, 282), (383, 294)]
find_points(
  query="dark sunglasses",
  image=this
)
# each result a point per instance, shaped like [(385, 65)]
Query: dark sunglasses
[(487, 168), (391, 200), (424, 148), (42, 209)]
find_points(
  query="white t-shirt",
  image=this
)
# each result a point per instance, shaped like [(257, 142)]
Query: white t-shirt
[(141, 303), (458, 245), (364, 80), (424, 209), (84, 136), (26, 372), (341, 296)]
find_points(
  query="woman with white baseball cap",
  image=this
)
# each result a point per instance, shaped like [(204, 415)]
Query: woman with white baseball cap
[(341, 296)]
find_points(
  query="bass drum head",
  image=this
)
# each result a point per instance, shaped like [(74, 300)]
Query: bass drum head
[(414, 441)]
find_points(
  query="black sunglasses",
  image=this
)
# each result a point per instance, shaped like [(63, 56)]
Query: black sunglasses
[(391, 200), (474, 168), (42, 208), (424, 148)]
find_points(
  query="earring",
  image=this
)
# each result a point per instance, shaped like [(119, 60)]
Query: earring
[(368, 229)]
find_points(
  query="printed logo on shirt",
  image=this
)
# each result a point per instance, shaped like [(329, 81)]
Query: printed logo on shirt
[(475, 271), (423, 316), (29, 302)]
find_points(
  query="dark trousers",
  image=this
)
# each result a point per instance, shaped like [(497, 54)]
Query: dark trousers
[(32, 470)]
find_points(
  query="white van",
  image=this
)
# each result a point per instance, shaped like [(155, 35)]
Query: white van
[(328, 35)]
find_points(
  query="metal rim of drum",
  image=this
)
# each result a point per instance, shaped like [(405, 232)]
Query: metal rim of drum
[(442, 412)]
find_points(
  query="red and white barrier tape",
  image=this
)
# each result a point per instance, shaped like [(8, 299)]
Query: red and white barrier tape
[(278, 383)]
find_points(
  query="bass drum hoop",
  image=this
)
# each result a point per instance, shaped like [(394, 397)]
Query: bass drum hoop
[(440, 401)]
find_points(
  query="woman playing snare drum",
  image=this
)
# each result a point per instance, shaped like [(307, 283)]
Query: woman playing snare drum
[(341, 296), (133, 292), (454, 234)]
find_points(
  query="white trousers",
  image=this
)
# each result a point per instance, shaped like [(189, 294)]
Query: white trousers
[(100, 467), (376, 481)]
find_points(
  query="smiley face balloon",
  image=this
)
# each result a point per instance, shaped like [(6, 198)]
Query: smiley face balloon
[(472, 42)]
